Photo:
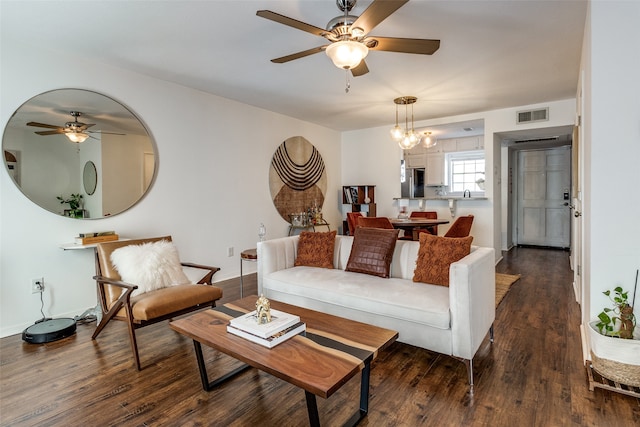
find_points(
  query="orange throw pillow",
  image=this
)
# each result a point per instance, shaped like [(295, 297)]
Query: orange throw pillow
[(316, 249), (436, 255)]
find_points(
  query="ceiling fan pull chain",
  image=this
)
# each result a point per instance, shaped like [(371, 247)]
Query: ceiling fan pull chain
[(347, 84)]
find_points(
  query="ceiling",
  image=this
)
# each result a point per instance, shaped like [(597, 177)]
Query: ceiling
[(493, 54)]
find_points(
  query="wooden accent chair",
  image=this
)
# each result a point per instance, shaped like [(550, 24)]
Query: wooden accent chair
[(461, 227), (352, 218), (374, 222), (150, 307)]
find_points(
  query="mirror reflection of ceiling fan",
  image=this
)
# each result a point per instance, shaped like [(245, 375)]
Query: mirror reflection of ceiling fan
[(348, 34), (76, 131)]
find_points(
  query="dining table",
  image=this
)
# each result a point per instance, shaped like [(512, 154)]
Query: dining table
[(410, 226)]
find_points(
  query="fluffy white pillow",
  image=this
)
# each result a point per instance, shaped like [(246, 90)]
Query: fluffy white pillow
[(152, 265)]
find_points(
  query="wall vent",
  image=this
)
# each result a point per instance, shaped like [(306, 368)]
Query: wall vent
[(529, 116), (552, 138)]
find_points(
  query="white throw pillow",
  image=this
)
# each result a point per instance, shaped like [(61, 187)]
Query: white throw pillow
[(152, 265)]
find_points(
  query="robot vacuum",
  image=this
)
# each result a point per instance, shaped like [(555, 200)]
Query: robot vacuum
[(49, 330)]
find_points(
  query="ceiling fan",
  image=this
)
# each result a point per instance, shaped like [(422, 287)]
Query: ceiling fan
[(348, 35), (76, 131)]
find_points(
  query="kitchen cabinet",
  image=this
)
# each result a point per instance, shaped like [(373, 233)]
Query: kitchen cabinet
[(434, 169), (443, 146), (415, 158), (470, 143)]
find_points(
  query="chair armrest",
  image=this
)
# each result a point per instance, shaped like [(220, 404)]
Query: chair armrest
[(120, 283), (207, 278)]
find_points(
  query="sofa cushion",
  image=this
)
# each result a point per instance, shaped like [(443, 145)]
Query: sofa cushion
[(436, 255), (152, 265), (372, 251), (390, 297), (316, 249)]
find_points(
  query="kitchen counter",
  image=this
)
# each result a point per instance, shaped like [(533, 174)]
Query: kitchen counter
[(456, 198)]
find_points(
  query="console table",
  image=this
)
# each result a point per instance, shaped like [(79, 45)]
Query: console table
[(322, 223)]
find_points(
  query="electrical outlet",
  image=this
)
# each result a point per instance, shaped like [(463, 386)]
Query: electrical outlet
[(230, 251), (37, 285)]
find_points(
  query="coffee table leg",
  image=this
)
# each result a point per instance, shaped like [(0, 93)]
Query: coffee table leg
[(204, 377), (312, 409), (312, 406), (364, 396)]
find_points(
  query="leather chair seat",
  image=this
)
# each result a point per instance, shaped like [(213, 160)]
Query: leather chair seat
[(162, 302)]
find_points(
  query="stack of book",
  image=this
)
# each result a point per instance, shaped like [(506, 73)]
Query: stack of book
[(282, 327), (96, 237)]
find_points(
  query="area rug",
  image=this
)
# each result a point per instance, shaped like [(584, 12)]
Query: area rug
[(503, 283)]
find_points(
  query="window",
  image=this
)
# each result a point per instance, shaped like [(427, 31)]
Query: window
[(465, 171)]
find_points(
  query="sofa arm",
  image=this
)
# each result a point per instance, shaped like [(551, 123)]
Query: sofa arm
[(275, 255), (472, 289)]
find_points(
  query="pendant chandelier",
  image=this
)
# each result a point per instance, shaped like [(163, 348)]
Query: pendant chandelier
[(406, 138)]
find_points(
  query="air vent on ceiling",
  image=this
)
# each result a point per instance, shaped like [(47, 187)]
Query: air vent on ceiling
[(552, 138), (529, 116)]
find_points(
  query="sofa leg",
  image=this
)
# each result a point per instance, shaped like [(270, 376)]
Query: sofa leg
[(491, 333), (469, 363)]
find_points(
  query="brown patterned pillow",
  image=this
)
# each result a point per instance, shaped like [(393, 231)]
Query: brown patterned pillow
[(316, 249), (372, 251), (436, 255)]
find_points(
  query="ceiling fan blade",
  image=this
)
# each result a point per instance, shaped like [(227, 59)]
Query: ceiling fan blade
[(105, 132), (285, 20), (393, 44), (43, 125), (51, 132), (360, 69), (298, 55), (377, 12)]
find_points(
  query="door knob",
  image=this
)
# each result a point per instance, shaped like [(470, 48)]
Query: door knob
[(577, 214)]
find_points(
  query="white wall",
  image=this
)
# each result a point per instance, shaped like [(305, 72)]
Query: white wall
[(370, 157), (211, 190), (611, 150)]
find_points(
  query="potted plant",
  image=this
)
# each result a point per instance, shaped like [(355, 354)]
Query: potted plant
[(74, 201), (615, 348)]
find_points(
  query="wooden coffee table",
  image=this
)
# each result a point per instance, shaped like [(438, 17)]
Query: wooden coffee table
[(333, 351)]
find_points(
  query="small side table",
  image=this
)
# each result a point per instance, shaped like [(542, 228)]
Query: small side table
[(246, 255)]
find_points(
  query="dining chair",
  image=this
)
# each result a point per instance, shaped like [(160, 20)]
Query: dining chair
[(374, 222), (432, 229), (461, 227), (352, 218), (118, 300)]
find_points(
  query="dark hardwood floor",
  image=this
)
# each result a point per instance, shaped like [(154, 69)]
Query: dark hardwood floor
[(532, 375)]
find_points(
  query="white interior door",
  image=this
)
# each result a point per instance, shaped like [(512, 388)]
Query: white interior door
[(544, 182)]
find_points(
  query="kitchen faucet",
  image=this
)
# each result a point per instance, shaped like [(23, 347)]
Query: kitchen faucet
[(466, 194)]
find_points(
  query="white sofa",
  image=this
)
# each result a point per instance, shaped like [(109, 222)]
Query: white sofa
[(450, 320)]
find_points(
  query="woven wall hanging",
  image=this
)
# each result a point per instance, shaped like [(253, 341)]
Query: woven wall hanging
[(297, 177)]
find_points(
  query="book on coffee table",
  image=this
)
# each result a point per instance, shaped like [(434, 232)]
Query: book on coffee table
[(272, 340), (279, 322)]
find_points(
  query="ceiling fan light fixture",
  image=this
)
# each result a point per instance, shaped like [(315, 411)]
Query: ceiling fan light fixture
[(77, 137), (347, 54)]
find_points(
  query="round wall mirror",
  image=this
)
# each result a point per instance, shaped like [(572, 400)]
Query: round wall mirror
[(79, 153)]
